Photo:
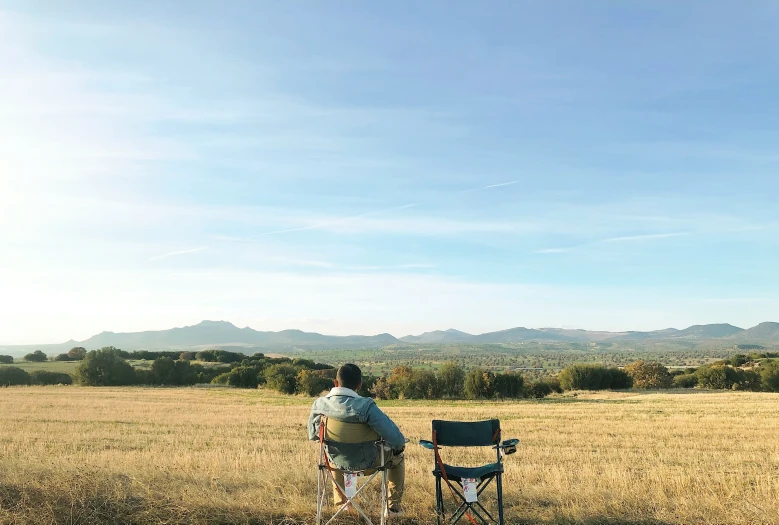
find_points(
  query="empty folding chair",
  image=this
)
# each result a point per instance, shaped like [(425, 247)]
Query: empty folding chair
[(466, 484), (346, 451)]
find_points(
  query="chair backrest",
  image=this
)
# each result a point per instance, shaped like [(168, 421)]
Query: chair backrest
[(466, 433), (342, 432), (351, 446)]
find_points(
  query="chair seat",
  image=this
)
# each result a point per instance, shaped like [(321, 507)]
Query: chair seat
[(458, 473)]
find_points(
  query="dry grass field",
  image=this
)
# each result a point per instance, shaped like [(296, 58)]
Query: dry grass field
[(76, 455)]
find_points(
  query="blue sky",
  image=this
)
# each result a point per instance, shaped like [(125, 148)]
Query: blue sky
[(362, 167)]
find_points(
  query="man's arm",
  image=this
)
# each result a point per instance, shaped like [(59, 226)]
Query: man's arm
[(385, 427), (313, 423)]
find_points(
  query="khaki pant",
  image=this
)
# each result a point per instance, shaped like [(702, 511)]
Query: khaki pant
[(396, 478)]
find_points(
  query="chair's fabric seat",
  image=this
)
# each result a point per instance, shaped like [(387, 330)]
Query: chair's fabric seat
[(458, 473)]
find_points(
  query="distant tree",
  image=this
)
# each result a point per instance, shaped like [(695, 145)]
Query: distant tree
[(425, 384), (13, 375), (381, 389), (718, 377), (77, 353), (769, 376), (685, 381), (163, 371), (748, 380), (63, 357), (479, 384), (281, 377), (509, 385), (105, 367), (539, 389), (220, 356), (6, 359), (245, 377), (649, 375), (187, 356), (451, 380), (312, 384), (581, 377), (221, 379), (36, 357), (46, 377), (401, 383)]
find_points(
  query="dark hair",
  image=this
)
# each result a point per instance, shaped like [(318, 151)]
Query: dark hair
[(349, 376)]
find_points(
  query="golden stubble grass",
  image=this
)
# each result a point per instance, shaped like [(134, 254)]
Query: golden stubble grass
[(195, 455)]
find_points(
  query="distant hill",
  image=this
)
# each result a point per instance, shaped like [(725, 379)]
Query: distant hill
[(221, 334), (439, 336), (764, 332), (216, 333), (710, 331)]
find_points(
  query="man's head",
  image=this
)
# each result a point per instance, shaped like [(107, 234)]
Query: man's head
[(349, 376)]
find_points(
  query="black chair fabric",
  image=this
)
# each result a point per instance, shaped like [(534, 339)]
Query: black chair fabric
[(458, 473), (467, 433)]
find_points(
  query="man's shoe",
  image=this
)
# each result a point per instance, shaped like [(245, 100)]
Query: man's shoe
[(394, 513)]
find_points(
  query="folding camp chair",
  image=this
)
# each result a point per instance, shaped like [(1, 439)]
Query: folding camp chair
[(350, 449), (467, 483)]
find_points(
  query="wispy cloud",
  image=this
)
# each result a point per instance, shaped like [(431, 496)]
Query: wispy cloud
[(179, 252), (556, 250), (613, 240), (501, 184), (480, 188), (646, 237), (341, 220)]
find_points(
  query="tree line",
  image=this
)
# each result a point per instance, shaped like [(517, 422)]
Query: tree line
[(109, 366), (756, 373)]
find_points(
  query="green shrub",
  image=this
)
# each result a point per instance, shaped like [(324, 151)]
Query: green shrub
[(539, 390), (381, 389), (46, 377), (221, 379), (13, 375), (77, 353), (451, 380), (63, 357), (717, 377), (748, 380), (769, 376), (616, 379), (281, 377), (36, 357), (220, 356), (479, 384), (509, 385), (648, 375), (593, 377), (6, 360), (685, 381), (105, 367), (246, 377), (310, 383)]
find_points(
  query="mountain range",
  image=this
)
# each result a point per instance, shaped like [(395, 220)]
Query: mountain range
[(224, 334)]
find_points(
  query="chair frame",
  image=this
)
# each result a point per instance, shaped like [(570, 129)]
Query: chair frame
[(326, 477), (467, 508)]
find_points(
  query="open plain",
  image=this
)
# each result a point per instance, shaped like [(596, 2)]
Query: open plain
[(78, 455)]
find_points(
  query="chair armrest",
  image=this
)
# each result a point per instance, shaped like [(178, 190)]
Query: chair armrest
[(426, 444), (508, 446)]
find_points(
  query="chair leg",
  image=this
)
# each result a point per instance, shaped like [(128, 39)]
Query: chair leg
[(439, 501), (384, 497), (499, 482), (321, 491)]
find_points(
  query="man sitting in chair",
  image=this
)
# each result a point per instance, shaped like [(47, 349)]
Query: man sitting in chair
[(343, 404)]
